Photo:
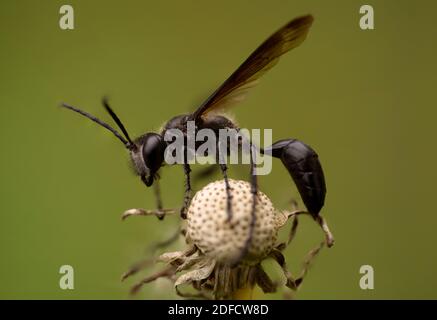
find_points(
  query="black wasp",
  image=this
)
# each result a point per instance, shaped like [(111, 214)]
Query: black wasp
[(301, 161)]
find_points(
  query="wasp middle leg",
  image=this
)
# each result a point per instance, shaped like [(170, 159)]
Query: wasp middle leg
[(224, 170), (187, 194)]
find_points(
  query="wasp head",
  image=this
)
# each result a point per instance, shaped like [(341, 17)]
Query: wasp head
[(147, 155)]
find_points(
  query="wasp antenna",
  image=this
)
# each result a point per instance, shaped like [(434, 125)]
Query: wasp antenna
[(116, 119), (127, 143)]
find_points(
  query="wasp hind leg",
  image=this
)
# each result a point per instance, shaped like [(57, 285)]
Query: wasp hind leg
[(254, 192)]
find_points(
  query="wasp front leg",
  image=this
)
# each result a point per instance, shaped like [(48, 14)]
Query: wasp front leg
[(160, 212)]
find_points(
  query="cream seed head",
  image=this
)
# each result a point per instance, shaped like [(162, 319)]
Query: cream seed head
[(210, 231), (214, 244)]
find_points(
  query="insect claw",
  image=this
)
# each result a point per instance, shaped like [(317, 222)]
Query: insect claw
[(160, 214), (183, 213)]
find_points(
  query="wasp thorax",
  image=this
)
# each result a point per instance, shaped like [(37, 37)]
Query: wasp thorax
[(223, 240)]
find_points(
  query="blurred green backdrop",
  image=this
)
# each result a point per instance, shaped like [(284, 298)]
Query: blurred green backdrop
[(364, 100)]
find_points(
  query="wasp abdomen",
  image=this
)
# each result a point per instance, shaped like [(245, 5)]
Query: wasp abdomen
[(303, 164)]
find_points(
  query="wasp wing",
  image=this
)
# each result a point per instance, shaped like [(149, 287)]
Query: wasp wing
[(259, 62)]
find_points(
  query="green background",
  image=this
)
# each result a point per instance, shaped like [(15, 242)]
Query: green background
[(365, 100)]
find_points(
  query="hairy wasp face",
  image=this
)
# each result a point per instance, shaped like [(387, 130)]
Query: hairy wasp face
[(147, 156)]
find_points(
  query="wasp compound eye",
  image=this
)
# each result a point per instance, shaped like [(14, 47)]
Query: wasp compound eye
[(153, 151)]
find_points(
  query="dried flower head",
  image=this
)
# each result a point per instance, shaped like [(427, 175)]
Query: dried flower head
[(223, 240), (212, 261)]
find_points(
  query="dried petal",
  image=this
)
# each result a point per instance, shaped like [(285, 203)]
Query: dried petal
[(200, 273), (172, 256), (264, 281)]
